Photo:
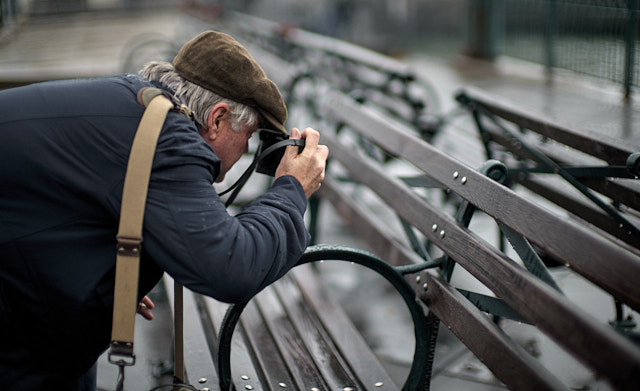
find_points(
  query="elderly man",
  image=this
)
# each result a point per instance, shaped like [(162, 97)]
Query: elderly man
[(64, 147)]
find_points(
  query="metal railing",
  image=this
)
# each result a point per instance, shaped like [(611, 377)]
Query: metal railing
[(593, 37), (9, 10)]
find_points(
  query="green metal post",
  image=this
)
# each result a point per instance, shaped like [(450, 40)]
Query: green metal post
[(550, 23), (485, 28), (630, 43)]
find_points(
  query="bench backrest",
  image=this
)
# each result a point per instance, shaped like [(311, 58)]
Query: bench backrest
[(588, 163), (601, 261)]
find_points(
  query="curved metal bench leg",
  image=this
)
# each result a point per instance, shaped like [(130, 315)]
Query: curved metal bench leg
[(419, 374)]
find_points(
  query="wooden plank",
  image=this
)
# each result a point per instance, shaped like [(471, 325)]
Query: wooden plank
[(309, 40), (344, 334), (604, 263), (198, 358), (623, 191), (585, 211), (609, 150), (508, 361), (366, 227), (322, 349), (290, 344), (268, 359), (536, 301), (243, 370), (372, 231)]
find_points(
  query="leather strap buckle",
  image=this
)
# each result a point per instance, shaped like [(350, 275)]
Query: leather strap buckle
[(124, 350), (129, 246)]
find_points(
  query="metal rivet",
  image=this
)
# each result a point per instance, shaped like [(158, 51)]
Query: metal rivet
[(347, 389), (282, 385), (120, 249), (202, 380), (434, 227), (456, 174), (135, 250), (205, 389), (248, 387), (463, 180), (425, 286), (417, 279), (244, 377), (379, 384), (315, 389), (442, 233)]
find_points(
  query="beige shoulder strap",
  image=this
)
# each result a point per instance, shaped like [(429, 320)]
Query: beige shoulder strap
[(134, 197)]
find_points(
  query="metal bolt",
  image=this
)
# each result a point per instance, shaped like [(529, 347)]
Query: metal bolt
[(456, 174), (425, 286), (202, 380), (282, 385), (379, 384), (417, 279), (442, 233), (244, 377), (463, 180), (434, 227)]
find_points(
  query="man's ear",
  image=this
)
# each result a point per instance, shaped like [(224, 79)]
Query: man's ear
[(216, 114)]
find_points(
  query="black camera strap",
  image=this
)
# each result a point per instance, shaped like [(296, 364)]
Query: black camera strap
[(239, 184)]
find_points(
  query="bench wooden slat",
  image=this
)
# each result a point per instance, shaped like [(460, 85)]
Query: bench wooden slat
[(269, 362), (243, 369), (625, 192), (361, 360), (290, 343), (535, 301), (381, 243), (593, 256), (509, 362), (317, 342), (611, 151), (296, 336), (584, 210)]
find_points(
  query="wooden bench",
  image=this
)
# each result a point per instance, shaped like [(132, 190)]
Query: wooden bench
[(597, 175), (366, 75), (295, 335), (526, 294)]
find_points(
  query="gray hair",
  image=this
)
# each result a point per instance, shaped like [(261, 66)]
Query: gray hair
[(198, 99)]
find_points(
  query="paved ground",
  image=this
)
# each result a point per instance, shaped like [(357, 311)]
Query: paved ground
[(92, 45)]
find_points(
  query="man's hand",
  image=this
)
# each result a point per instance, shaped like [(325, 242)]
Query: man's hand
[(145, 307), (309, 165)]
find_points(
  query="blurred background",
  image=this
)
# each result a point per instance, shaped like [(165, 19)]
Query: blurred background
[(592, 37)]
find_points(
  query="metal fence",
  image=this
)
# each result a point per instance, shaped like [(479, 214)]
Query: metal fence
[(594, 37)]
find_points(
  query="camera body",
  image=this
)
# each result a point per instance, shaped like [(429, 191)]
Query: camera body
[(268, 163)]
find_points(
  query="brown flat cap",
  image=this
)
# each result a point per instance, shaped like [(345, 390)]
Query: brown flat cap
[(217, 62)]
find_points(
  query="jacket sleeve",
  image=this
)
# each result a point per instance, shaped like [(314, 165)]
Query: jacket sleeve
[(189, 233)]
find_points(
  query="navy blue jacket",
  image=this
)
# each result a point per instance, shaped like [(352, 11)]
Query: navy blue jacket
[(64, 147)]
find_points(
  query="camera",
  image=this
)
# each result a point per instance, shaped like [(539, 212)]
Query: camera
[(271, 150)]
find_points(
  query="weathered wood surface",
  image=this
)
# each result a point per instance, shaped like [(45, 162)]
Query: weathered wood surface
[(593, 256)]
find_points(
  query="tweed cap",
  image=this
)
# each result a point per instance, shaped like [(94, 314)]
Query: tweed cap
[(217, 62)]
